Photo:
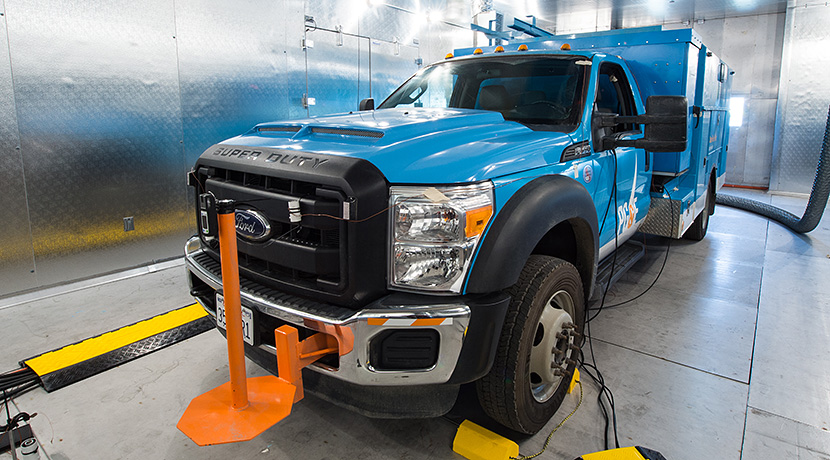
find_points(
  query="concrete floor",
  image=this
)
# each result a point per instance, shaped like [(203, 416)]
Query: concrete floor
[(726, 357)]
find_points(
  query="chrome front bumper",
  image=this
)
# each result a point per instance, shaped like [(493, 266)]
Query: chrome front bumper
[(355, 366)]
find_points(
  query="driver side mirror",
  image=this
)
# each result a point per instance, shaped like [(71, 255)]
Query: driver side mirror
[(666, 125), (367, 104)]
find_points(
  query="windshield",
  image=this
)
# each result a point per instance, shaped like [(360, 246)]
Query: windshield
[(542, 92)]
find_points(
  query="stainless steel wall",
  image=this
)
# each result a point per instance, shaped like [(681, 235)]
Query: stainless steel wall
[(803, 98), (17, 269), (111, 102), (98, 109)]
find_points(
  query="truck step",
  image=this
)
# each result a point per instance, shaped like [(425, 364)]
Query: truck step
[(627, 255)]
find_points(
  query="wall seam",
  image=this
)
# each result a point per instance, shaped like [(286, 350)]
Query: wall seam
[(20, 141), (182, 149)]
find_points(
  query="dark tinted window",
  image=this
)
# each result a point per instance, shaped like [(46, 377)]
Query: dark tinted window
[(614, 95), (542, 92)]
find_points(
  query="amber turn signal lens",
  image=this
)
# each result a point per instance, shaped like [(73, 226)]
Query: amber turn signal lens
[(477, 220)]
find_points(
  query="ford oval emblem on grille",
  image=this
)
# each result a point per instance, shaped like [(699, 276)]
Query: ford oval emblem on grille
[(252, 225)]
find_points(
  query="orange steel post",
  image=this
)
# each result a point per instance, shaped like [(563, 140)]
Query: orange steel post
[(243, 408), (233, 305)]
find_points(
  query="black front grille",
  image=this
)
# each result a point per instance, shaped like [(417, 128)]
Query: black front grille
[(249, 286), (310, 254), (327, 254)]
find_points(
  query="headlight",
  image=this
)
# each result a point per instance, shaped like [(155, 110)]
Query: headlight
[(434, 233)]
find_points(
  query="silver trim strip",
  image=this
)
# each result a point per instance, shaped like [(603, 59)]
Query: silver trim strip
[(356, 366)]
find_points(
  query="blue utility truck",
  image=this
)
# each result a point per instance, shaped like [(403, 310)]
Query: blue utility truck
[(457, 231)]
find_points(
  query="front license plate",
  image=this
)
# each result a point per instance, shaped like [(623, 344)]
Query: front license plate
[(247, 319)]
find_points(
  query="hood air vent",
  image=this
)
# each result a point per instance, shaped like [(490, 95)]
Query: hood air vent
[(348, 132), (279, 129)]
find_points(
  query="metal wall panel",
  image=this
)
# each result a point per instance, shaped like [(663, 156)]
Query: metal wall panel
[(394, 53), (803, 98), (328, 14), (116, 101), (388, 24), (438, 39), (760, 116), (232, 68), (391, 65), (333, 72), (100, 127), (295, 58), (17, 269)]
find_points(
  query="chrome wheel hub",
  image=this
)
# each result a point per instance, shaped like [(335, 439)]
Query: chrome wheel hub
[(553, 346)]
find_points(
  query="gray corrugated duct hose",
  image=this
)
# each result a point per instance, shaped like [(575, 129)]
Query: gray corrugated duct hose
[(815, 207)]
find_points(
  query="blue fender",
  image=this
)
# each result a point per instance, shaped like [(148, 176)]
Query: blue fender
[(524, 221)]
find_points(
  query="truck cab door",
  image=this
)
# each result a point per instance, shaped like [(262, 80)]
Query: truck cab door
[(629, 202)]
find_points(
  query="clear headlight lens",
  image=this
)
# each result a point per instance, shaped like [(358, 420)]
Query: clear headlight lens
[(434, 233)]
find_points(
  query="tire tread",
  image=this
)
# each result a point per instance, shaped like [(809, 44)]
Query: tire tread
[(494, 391)]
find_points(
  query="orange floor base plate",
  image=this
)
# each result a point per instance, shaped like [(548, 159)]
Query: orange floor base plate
[(211, 419)]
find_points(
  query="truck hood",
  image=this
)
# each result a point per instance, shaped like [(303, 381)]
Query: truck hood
[(417, 145)]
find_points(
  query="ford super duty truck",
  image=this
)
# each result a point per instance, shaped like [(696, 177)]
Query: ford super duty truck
[(457, 230)]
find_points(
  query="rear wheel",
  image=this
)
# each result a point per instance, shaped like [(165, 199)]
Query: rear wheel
[(537, 348), (701, 224)]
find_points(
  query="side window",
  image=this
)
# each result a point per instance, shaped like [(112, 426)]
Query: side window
[(614, 95)]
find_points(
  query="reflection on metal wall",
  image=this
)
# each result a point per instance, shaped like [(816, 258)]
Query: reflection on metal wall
[(16, 257), (803, 98), (334, 72), (100, 129), (233, 69), (392, 63), (114, 102)]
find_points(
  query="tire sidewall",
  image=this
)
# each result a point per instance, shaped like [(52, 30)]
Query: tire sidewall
[(532, 414)]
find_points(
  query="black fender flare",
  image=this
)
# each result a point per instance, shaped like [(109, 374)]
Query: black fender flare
[(525, 219)]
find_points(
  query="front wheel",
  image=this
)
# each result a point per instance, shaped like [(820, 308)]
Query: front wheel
[(536, 356)]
